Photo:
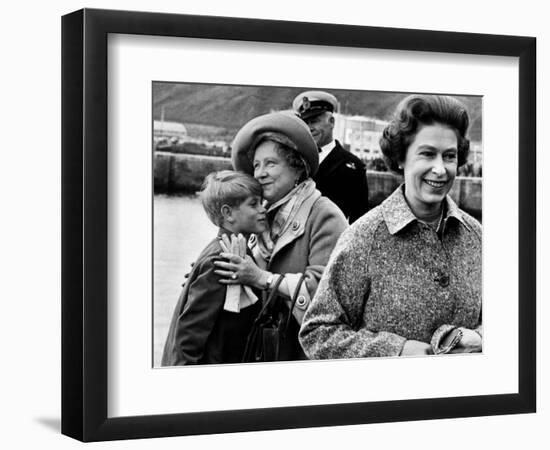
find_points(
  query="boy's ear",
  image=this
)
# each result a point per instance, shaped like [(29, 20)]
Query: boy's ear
[(227, 213)]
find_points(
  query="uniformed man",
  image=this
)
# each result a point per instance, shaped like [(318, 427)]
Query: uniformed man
[(342, 176)]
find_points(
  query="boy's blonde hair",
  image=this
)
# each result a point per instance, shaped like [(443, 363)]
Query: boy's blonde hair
[(226, 187)]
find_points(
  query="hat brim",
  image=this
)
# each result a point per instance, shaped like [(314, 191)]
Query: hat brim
[(310, 114), (287, 124)]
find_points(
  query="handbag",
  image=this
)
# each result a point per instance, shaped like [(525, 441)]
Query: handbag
[(269, 328)]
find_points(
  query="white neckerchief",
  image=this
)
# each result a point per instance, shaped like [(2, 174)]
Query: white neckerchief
[(325, 150)]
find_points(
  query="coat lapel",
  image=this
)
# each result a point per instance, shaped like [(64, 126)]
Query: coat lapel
[(331, 162), (297, 227)]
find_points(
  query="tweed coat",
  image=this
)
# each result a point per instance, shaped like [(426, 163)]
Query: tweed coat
[(201, 331), (342, 178), (392, 278), (304, 248)]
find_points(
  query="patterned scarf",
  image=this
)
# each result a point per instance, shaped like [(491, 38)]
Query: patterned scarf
[(283, 213)]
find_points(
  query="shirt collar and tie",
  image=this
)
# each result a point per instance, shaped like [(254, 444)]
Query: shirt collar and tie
[(325, 150)]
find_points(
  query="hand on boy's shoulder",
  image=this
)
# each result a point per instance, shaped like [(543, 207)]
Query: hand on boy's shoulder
[(200, 259)]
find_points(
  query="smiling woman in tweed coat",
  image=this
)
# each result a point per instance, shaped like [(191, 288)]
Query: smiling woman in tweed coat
[(405, 279)]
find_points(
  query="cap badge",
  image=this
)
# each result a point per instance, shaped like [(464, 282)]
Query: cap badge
[(305, 104)]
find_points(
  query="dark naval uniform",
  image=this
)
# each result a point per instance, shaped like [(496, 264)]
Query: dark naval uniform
[(342, 178)]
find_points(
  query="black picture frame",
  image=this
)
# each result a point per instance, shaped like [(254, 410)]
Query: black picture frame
[(84, 224)]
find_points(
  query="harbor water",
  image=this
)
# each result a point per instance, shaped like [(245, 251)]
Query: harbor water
[(181, 231)]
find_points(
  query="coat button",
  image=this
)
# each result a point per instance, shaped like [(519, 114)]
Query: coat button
[(295, 225), (301, 302), (444, 280)]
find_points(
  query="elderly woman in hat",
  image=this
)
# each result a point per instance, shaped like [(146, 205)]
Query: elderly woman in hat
[(405, 279), (280, 152)]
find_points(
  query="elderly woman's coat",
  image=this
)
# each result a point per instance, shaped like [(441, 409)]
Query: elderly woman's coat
[(304, 248)]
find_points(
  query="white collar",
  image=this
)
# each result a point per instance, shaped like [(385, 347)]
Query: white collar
[(325, 150)]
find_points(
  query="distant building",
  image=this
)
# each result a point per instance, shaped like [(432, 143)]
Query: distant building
[(173, 131), (476, 152), (359, 134)]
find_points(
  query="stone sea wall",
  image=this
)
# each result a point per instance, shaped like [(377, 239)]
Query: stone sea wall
[(179, 173), (184, 173)]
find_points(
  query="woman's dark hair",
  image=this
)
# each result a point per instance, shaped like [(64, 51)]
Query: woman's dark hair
[(411, 114), (285, 149)]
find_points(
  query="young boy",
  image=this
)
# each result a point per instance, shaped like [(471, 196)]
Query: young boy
[(204, 329)]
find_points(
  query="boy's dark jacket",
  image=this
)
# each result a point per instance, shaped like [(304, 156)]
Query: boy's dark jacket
[(201, 332)]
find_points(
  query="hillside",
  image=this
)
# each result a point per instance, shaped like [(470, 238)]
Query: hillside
[(229, 107)]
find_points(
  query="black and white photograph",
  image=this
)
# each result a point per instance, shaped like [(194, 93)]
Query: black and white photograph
[(312, 223)]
